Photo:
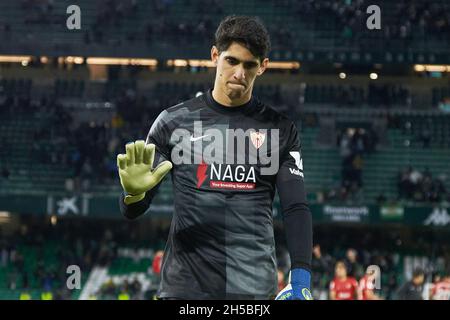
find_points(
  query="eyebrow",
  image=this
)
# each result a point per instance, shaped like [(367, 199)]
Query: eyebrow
[(252, 62)]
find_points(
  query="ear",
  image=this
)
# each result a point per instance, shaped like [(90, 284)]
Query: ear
[(214, 55), (263, 67)]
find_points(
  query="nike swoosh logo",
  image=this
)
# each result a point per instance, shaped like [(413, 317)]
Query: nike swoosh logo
[(197, 138)]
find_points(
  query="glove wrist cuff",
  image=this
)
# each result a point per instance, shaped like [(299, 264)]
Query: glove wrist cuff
[(301, 276), (129, 199)]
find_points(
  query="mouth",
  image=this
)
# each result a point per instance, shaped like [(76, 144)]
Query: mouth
[(237, 85)]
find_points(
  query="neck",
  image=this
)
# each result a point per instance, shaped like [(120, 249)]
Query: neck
[(220, 97)]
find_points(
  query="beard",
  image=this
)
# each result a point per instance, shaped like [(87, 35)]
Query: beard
[(235, 93)]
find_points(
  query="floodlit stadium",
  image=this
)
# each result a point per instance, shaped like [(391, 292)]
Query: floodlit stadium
[(361, 99)]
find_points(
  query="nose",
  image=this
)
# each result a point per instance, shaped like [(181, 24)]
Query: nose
[(239, 74)]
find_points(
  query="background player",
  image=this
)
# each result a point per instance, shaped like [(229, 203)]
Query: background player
[(343, 287), (366, 286), (441, 290)]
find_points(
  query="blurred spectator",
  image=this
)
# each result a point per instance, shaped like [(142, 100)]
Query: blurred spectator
[(322, 264), (136, 288), (354, 144), (404, 184), (354, 268), (425, 137), (413, 289), (419, 186), (108, 289)]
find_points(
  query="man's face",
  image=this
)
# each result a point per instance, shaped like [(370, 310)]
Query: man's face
[(351, 255), (237, 69), (340, 270), (316, 251), (419, 280)]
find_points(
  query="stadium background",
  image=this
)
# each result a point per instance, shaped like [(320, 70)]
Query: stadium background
[(372, 106)]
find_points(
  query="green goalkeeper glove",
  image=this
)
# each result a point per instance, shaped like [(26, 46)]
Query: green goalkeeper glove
[(135, 170)]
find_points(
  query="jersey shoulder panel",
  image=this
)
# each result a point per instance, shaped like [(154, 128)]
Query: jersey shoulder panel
[(179, 111), (168, 120), (270, 114), (175, 114)]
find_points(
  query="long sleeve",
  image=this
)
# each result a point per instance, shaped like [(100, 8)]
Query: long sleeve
[(297, 217)]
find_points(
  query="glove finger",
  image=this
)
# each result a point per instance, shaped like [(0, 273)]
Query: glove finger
[(139, 146), (149, 154), (121, 161), (161, 170), (130, 153)]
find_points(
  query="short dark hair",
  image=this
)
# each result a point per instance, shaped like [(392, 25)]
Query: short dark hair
[(341, 262), (418, 272), (248, 31)]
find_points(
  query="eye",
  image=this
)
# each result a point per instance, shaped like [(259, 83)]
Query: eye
[(232, 61), (250, 65)]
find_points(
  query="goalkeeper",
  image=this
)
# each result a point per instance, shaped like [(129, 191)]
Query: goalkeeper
[(221, 241)]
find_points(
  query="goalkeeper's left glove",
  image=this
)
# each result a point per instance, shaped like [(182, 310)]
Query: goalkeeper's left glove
[(298, 288)]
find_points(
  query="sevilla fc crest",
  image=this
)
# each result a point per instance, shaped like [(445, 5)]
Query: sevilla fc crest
[(257, 138)]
